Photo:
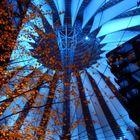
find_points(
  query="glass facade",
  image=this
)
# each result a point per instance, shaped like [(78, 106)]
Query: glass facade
[(125, 64)]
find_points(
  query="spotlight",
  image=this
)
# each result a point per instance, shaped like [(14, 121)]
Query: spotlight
[(86, 38), (123, 138)]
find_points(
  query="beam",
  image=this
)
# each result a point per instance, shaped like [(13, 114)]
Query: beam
[(114, 90), (66, 108), (10, 29), (111, 120), (19, 122), (6, 103), (46, 115), (87, 116)]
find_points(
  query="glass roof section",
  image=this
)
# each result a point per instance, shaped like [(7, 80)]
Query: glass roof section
[(63, 88)]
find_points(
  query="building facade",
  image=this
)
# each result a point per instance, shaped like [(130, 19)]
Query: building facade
[(125, 65)]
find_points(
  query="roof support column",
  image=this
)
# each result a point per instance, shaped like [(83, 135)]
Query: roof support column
[(46, 115), (87, 116), (111, 120), (66, 120), (114, 90)]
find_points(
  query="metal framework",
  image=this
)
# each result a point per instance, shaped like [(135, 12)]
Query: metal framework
[(71, 21), (67, 38)]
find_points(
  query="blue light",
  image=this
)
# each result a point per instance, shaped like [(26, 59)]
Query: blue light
[(122, 138), (86, 38)]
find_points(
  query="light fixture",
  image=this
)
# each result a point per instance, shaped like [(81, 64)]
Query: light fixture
[(122, 138), (86, 38)]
